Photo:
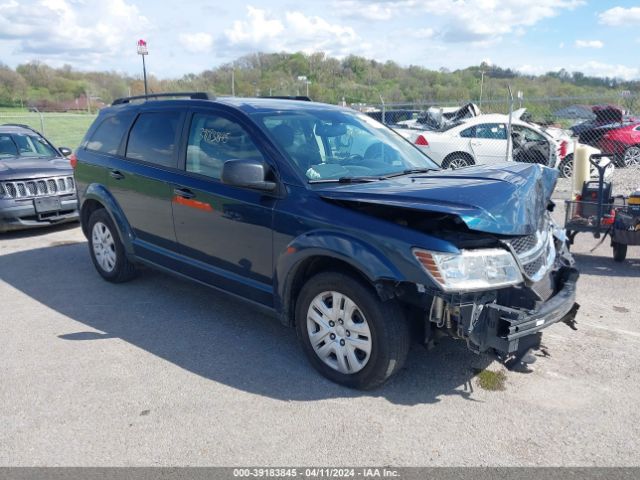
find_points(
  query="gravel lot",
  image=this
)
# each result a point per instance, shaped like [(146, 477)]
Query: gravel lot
[(161, 371)]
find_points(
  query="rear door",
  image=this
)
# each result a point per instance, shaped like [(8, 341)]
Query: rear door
[(224, 231), (141, 180), (488, 142)]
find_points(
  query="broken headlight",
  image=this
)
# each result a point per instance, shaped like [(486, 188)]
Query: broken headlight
[(470, 270)]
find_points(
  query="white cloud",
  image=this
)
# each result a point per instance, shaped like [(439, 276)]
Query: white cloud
[(619, 16), (196, 42), (296, 31), (600, 69), (481, 22), (66, 28), (423, 33), (589, 44), (366, 11), (255, 30), (591, 68)]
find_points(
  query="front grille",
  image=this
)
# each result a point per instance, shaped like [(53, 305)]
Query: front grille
[(40, 187), (534, 267), (524, 244), (533, 252)]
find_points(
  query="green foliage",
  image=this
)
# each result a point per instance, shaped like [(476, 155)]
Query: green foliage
[(356, 79)]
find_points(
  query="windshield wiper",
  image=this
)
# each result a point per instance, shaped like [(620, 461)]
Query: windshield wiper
[(410, 171), (347, 180)]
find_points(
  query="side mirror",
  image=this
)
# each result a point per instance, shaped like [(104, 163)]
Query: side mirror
[(247, 173), (66, 151)]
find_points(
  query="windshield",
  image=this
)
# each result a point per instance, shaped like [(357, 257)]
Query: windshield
[(25, 145), (325, 144)]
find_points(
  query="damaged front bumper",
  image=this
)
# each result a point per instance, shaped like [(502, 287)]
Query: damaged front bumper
[(503, 327)]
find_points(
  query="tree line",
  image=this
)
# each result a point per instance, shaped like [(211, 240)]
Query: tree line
[(353, 79)]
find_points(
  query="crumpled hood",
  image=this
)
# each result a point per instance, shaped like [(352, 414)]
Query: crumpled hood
[(23, 168), (506, 199)]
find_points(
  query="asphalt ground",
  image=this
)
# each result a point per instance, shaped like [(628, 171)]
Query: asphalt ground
[(161, 371)]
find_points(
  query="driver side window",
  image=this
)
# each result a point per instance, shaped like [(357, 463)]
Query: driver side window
[(213, 140)]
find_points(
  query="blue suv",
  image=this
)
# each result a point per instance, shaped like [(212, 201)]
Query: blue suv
[(330, 220)]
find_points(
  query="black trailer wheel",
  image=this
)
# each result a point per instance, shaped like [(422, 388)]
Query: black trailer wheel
[(619, 251)]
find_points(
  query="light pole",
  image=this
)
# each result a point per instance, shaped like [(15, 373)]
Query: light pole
[(303, 78), (481, 85), (142, 50)]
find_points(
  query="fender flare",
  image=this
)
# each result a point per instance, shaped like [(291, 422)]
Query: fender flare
[(101, 194), (358, 254)]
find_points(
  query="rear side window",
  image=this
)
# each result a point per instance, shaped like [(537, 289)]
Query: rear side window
[(153, 138), (107, 137), (213, 140), (494, 131)]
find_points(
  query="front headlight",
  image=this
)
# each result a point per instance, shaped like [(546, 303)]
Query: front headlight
[(470, 270)]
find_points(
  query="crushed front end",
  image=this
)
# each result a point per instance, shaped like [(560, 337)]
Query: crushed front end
[(535, 287)]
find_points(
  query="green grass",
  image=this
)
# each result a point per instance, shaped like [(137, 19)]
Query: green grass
[(62, 129), (489, 380)]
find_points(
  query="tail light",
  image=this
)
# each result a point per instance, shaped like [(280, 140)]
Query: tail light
[(563, 148), (421, 141), (73, 160)]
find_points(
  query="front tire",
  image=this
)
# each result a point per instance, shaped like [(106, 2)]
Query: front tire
[(106, 249), (631, 157), (348, 334)]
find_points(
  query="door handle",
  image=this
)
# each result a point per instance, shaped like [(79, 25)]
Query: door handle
[(183, 192), (116, 174)]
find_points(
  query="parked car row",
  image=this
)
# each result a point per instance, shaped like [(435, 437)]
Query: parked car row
[(458, 137)]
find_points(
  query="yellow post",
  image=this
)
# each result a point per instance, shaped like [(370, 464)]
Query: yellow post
[(581, 168)]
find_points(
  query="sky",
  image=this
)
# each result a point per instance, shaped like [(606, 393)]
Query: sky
[(600, 38)]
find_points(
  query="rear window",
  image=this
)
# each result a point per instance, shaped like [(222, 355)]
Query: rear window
[(107, 137)]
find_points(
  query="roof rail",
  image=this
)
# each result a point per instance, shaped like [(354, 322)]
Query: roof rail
[(302, 98), (21, 125), (192, 95)]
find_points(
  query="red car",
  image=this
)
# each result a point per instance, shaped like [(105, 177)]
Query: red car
[(624, 143)]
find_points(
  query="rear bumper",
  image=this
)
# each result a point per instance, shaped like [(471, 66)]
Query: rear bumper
[(505, 326), (22, 215)]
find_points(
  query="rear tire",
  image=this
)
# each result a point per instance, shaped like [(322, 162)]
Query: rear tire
[(348, 334), (106, 249), (456, 161), (566, 166), (619, 251)]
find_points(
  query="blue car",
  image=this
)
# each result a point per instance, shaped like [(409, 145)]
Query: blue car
[(328, 219)]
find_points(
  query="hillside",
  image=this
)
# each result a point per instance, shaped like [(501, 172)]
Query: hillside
[(353, 78)]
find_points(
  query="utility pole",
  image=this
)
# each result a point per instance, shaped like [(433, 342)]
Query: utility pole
[(233, 79), (142, 50), (481, 85)]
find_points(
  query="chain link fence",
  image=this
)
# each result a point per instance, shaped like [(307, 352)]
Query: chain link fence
[(536, 130), (61, 129)]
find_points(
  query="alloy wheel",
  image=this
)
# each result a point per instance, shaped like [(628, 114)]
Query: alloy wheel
[(631, 157)]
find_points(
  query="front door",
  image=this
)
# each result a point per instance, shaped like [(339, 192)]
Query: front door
[(225, 231)]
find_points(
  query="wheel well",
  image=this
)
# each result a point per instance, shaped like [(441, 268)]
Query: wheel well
[(88, 208), (307, 269), (449, 157)]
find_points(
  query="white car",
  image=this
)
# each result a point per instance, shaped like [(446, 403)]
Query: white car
[(483, 140)]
